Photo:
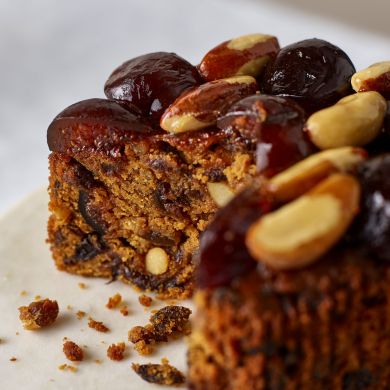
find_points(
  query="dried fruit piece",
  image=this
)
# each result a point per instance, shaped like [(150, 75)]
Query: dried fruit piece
[(152, 82), (166, 321), (39, 314), (245, 55), (373, 224), (271, 125), (200, 107), (374, 78), (72, 351), (355, 120), (222, 254), (304, 175), (97, 124), (161, 374), (313, 72), (298, 233)]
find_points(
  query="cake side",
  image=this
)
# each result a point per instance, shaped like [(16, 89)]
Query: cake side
[(326, 327)]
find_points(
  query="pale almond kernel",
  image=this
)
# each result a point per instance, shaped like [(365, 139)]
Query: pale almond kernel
[(300, 232), (359, 79), (244, 79), (156, 261), (220, 193), (305, 174), (247, 41), (182, 123), (355, 120), (253, 67)]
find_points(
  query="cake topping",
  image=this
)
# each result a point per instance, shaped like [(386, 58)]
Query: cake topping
[(96, 124), (304, 175), (296, 234), (373, 225), (273, 126), (313, 72), (222, 255), (374, 78), (200, 107), (355, 120), (152, 82), (245, 55)]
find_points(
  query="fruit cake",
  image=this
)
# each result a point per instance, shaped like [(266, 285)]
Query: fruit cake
[(135, 178), (293, 273)]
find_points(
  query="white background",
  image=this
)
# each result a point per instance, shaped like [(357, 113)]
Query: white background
[(56, 52)]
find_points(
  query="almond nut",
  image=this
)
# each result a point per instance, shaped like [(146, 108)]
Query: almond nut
[(220, 193), (374, 78), (245, 55), (201, 106), (156, 261), (355, 120), (300, 232), (304, 175)]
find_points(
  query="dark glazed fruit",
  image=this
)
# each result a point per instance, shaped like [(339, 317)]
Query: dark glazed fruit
[(152, 82), (313, 72), (97, 124), (223, 255), (274, 127), (374, 223)]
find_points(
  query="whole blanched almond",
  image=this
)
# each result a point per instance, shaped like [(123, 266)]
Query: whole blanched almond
[(201, 106), (374, 78), (245, 55), (298, 233), (355, 120), (304, 175)]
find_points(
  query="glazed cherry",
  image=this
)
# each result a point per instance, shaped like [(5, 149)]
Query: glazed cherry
[(152, 82), (273, 127), (98, 124), (223, 256), (313, 72), (373, 224)]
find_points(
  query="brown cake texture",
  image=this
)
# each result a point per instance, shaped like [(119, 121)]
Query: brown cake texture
[(287, 299), (129, 195)]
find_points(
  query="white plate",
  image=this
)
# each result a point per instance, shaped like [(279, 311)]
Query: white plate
[(25, 264)]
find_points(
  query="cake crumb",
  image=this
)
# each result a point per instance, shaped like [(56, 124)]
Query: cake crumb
[(114, 301), (17, 333), (23, 293), (97, 325), (161, 374), (124, 311), (165, 322), (116, 351), (98, 361), (144, 300), (73, 352), (38, 297), (80, 314), (69, 307), (38, 314), (67, 367), (83, 286), (13, 359)]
